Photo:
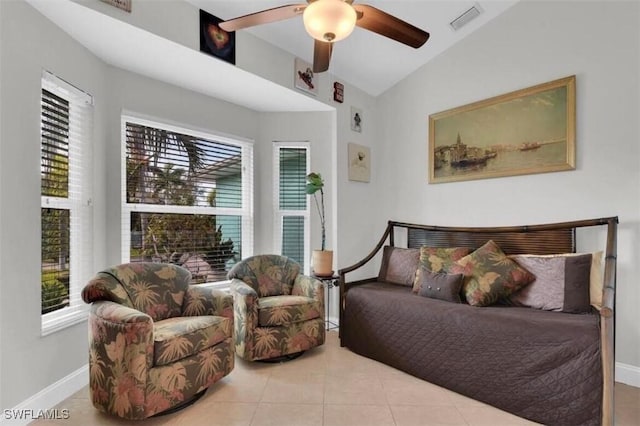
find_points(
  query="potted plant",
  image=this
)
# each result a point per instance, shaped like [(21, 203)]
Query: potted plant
[(321, 260)]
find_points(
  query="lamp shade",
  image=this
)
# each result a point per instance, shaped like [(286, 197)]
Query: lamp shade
[(329, 20)]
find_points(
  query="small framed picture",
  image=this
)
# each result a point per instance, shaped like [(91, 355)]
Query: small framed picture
[(338, 92), (304, 77), (356, 119), (214, 40), (359, 162)]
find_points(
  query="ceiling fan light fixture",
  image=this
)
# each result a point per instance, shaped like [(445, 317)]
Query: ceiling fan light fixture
[(329, 20)]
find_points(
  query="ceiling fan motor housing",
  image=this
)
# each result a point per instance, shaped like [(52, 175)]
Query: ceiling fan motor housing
[(329, 20)]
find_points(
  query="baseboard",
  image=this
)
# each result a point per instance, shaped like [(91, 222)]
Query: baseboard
[(628, 374), (41, 403)]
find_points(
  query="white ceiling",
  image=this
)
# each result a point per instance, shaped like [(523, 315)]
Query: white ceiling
[(139, 51), (368, 61)]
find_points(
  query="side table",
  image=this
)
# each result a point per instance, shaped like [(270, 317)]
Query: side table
[(329, 283)]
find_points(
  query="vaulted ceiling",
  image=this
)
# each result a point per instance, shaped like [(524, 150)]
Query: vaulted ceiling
[(366, 60)]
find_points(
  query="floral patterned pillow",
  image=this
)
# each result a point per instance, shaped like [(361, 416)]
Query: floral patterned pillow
[(490, 275), (437, 259)]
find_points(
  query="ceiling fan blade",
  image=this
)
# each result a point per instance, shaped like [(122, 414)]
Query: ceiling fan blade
[(380, 22), (321, 55), (264, 17)]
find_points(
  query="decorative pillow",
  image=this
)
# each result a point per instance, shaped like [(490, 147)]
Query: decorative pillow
[(438, 259), (490, 275), (561, 284), (596, 278), (440, 285), (399, 265)]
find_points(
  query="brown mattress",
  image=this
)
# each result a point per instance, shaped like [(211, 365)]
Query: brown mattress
[(543, 366)]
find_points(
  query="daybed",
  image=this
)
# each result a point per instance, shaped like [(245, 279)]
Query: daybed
[(555, 368)]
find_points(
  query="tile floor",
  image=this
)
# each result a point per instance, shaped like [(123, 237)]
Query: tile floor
[(328, 386)]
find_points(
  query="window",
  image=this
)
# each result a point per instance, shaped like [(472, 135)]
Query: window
[(66, 124), (187, 198), (291, 161)]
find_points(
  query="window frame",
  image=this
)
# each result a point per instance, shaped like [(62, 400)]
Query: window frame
[(78, 202), (279, 214), (246, 212)]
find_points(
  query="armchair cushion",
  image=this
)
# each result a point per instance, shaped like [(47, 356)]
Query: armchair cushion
[(180, 337), (200, 300), (268, 275), (156, 289), (308, 287), (285, 310)]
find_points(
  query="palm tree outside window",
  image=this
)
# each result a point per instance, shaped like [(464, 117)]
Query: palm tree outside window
[(187, 200)]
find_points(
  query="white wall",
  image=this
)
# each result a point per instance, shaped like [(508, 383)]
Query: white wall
[(316, 128), (31, 362), (272, 63), (532, 43)]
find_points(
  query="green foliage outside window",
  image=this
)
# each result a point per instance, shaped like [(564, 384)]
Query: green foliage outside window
[(165, 168)]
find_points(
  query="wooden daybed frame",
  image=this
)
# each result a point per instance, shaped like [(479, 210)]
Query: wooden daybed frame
[(535, 239)]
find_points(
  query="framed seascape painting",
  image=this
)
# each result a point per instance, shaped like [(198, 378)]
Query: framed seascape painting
[(527, 131)]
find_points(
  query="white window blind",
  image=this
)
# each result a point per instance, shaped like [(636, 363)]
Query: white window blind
[(187, 198), (66, 123), (291, 166)]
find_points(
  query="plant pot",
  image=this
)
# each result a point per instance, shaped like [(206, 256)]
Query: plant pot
[(322, 263)]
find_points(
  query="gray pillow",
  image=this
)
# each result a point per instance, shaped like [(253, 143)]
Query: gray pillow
[(561, 284), (399, 265), (440, 285)]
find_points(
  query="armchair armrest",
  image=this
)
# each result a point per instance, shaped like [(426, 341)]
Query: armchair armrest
[(245, 301), (308, 287), (105, 287), (200, 300), (245, 306), (120, 340), (120, 315)]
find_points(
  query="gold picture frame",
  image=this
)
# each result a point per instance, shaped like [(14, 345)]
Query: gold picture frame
[(528, 131)]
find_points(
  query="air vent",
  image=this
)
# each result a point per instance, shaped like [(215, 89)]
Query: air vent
[(466, 17)]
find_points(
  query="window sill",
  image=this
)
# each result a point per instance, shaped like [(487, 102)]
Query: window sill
[(218, 285), (61, 321)]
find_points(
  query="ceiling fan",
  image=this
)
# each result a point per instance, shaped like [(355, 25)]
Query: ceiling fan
[(328, 21)]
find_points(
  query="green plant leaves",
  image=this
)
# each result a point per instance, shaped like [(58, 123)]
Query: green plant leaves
[(314, 183)]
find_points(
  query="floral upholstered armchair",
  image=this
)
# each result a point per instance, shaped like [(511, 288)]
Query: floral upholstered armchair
[(155, 342), (278, 311)]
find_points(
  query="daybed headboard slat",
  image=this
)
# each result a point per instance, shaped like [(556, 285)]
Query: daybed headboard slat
[(534, 242)]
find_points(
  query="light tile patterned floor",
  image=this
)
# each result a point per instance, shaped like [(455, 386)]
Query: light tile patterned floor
[(329, 386)]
